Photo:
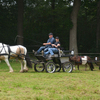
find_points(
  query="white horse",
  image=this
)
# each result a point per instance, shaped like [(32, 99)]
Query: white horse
[(15, 52)]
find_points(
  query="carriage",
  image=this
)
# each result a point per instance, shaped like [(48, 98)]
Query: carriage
[(54, 64)]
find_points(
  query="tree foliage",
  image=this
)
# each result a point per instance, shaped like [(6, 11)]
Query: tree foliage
[(44, 16), (8, 21), (87, 25), (44, 19)]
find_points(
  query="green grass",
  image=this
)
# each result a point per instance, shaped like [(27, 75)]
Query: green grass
[(78, 85)]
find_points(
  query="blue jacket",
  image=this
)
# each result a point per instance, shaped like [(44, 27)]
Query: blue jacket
[(51, 40)]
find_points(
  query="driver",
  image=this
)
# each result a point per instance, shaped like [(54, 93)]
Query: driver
[(54, 49), (49, 43)]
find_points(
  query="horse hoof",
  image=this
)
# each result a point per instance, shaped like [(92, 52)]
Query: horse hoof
[(21, 71), (11, 71), (25, 70)]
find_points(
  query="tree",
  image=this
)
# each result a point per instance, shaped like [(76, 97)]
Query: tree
[(73, 31), (8, 21), (98, 27), (53, 4), (20, 21), (42, 19)]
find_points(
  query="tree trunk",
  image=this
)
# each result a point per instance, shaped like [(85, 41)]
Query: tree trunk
[(53, 15), (53, 4), (98, 27), (20, 21), (73, 31)]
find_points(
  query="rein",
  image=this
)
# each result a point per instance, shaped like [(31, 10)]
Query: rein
[(27, 39)]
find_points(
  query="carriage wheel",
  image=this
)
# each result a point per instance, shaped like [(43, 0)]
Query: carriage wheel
[(67, 67), (39, 67), (50, 67), (58, 68)]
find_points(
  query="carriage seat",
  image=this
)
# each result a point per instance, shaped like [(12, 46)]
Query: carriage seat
[(58, 54)]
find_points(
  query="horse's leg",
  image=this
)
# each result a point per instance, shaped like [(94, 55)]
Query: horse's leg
[(10, 68), (91, 65), (74, 67), (22, 69), (78, 67), (25, 67), (85, 67)]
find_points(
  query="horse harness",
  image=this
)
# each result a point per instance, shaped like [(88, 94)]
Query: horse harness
[(9, 52), (82, 60)]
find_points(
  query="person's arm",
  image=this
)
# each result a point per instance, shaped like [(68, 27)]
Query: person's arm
[(56, 45), (46, 43), (51, 42)]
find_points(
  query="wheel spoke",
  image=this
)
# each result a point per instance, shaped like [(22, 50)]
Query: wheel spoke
[(50, 67), (67, 67), (39, 67), (58, 67)]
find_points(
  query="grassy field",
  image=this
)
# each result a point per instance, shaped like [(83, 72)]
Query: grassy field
[(78, 85)]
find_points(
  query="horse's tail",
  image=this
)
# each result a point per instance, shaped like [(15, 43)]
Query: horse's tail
[(29, 63), (91, 65)]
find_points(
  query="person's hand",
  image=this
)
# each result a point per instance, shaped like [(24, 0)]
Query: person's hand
[(53, 45), (44, 43), (58, 44)]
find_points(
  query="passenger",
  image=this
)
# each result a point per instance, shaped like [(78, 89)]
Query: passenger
[(50, 41), (54, 48)]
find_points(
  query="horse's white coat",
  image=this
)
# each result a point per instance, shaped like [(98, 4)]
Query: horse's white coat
[(4, 50), (14, 48), (84, 60)]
